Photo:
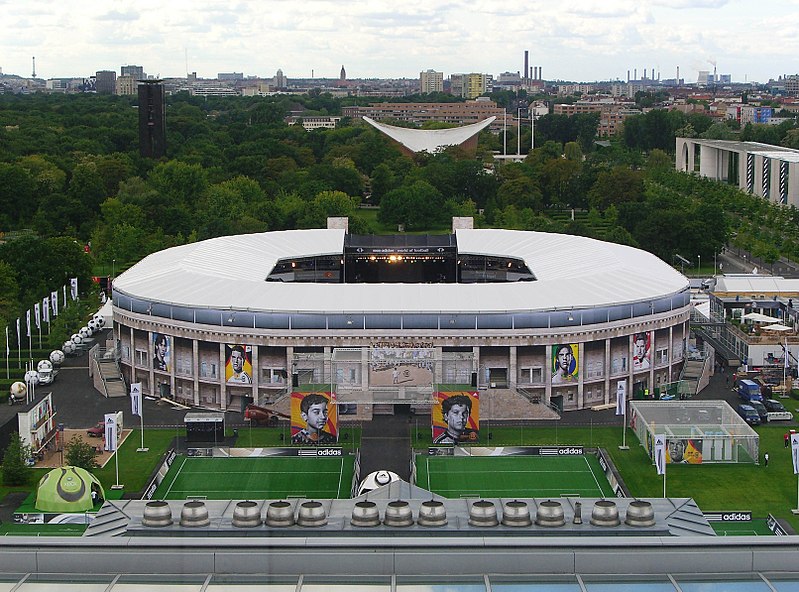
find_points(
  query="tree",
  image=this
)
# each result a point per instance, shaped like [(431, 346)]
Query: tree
[(9, 290), (418, 206), (80, 453), (15, 462)]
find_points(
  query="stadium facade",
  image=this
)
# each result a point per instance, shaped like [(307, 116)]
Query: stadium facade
[(564, 318)]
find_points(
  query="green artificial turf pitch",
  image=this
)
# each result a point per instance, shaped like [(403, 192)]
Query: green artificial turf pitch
[(755, 527), (512, 476), (257, 478)]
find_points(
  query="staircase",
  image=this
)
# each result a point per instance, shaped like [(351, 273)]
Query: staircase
[(110, 374), (694, 375)]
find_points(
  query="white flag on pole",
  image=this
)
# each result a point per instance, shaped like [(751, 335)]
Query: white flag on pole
[(135, 398), (110, 432), (18, 337), (64, 290), (46, 309), (8, 347), (54, 302), (28, 321), (73, 288), (37, 315), (660, 454), (621, 398), (795, 453)]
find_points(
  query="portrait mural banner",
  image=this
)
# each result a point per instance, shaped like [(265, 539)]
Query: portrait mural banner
[(565, 363), (314, 418), (684, 450), (456, 417), (390, 366), (642, 351), (238, 364), (162, 352)]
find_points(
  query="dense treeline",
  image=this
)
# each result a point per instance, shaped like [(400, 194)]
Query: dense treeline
[(70, 172)]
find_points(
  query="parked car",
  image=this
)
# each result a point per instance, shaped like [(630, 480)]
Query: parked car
[(761, 410), (749, 415), (773, 405), (97, 431)]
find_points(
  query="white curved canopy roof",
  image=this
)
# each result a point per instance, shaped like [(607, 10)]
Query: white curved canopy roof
[(230, 273), (430, 140)]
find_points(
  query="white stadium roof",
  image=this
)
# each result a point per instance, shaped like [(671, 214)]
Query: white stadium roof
[(230, 273), (432, 141)]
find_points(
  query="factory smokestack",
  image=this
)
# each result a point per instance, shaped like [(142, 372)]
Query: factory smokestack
[(526, 65)]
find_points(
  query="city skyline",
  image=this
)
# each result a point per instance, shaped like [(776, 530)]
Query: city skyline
[(571, 40)]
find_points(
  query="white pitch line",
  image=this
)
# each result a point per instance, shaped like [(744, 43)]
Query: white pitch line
[(590, 470), (180, 468)]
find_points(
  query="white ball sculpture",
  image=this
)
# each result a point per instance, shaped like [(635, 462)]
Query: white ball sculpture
[(31, 377), (18, 390), (85, 332), (57, 357), (76, 338), (92, 325), (68, 347), (99, 319), (44, 366)]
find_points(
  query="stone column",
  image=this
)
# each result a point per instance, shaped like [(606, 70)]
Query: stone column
[(195, 361)]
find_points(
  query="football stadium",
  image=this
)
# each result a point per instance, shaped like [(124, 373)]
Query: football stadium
[(380, 320)]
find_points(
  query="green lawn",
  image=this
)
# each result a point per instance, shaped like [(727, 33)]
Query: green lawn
[(522, 476), (257, 478)]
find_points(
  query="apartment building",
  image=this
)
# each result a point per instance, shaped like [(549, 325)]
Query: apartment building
[(431, 81), (419, 113)]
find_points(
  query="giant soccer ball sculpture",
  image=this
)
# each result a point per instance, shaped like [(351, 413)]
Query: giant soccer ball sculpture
[(76, 338), (99, 319), (44, 366), (68, 347), (31, 377), (92, 325), (57, 357), (85, 332), (18, 391)]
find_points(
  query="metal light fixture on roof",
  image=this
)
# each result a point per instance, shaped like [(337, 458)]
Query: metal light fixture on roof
[(571, 317)]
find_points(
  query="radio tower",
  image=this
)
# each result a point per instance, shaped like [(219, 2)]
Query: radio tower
[(34, 67)]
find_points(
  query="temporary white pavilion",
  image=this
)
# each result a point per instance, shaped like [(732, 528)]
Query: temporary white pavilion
[(432, 141)]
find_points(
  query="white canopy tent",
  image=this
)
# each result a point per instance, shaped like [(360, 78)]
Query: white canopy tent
[(757, 317)]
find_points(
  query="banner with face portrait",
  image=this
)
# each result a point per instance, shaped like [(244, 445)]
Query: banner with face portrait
[(238, 364), (642, 351), (565, 363), (161, 352), (314, 418), (456, 417), (684, 451)]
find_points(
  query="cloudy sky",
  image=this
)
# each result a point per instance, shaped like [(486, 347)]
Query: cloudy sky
[(580, 40)]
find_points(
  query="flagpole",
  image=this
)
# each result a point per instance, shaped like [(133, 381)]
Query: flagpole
[(141, 423)]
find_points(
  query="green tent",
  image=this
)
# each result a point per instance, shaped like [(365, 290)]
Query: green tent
[(67, 489)]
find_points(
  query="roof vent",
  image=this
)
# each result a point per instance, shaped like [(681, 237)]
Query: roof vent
[(246, 515), (311, 514), (194, 514), (483, 513), (398, 513), (365, 514), (640, 513), (157, 514), (279, 514), (578, 513), (515, 513), (605, 513), (432, 513), (550, 514)]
